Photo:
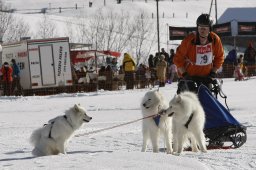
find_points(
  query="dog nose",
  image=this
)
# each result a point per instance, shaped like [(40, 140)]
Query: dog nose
[(144, 104), (90, 118)]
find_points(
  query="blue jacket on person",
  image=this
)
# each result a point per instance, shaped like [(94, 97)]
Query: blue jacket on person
[(16, 70)]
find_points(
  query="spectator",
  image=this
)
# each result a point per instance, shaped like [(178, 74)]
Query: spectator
[(7, 78), (166, 56), (242, 64), (141, 76), (129, 70), (156, 59), (250, 54), (161, 71), (249, 57), (173, 72), (16, 77), (151, 61), (231, 57), (114, 66), (238, 75), (172, 54), (74, 75), (121, 70)]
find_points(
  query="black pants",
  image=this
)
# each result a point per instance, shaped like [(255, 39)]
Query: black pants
[(7, 88), (129, 79), (16, 84)]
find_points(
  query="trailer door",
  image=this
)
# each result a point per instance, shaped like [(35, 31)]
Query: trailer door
[(47, 65)]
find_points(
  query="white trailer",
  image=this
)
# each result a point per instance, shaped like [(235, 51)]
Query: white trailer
[(43, 62)]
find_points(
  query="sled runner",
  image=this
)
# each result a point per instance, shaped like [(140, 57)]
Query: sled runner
[(221, 130)]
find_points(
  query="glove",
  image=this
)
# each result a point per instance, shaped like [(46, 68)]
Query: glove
[(186, 76), (212, 75)]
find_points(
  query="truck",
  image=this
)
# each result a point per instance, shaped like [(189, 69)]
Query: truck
[(43, 63)]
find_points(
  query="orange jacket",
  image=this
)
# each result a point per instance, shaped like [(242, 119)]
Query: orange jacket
[(186, 55), (7, 73)]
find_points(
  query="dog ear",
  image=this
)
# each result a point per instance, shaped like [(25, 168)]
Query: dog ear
[(76, 108)]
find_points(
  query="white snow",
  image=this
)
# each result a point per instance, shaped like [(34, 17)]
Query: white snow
[(119, 148)]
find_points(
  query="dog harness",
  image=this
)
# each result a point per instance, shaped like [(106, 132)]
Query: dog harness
[(157, 120), (50, 133), (189, 120)]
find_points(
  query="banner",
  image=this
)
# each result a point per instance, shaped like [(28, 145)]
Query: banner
[(178, 33), (223, 29), (246, 28)]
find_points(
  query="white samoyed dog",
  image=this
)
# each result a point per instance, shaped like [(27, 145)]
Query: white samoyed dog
[(52, 138), (188, 121), (152, 103)]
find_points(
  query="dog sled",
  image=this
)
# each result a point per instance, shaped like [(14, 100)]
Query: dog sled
[(222, 130)]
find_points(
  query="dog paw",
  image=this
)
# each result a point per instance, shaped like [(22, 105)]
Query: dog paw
[(169, 152), (204, 151), (195, 150), (176, 153)]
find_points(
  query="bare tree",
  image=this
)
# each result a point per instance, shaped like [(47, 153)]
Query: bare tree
[(69, 32), (143, 40), (11, 28), (118, 32), (96, 31), (126, 30), (5, 19), (106, 31), (47, 29), (17, 29), (110, 24)]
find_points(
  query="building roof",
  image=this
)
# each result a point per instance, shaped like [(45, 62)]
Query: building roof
[(238, 14)]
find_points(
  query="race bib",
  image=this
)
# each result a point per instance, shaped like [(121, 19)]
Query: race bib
[(204, 54)]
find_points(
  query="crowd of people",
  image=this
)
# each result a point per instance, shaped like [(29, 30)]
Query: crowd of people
[(244, 65), (10, 78), (160, 70)]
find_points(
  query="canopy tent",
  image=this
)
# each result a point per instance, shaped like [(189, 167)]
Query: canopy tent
[(85, 55)]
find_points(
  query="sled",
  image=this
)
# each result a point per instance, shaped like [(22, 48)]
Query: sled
[(222, 130)]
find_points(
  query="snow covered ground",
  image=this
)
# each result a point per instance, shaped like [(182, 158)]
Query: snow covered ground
[(117, 148)]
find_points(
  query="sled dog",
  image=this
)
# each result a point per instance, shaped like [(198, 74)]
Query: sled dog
[(188, 121), (52, 138), (152, 103)]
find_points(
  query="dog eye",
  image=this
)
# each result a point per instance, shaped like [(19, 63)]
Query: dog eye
[(149, 99)]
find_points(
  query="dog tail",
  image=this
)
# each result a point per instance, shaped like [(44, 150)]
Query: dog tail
[(35, 137)]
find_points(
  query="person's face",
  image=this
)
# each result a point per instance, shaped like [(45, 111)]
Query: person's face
[(203, 30)]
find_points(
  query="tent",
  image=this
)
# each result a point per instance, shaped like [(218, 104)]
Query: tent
[(85, 55)]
